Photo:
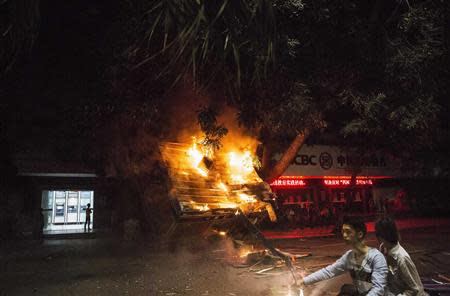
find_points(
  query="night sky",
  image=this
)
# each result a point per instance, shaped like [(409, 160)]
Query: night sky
[(64, 71)]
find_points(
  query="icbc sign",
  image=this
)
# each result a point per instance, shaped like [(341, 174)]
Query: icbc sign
[(325, 160), (303, 159)]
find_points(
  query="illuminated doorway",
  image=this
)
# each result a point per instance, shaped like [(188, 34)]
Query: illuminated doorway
[(66, 209)]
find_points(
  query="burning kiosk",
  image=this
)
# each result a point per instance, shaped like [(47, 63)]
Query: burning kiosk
[(212, 191), (209, 188)]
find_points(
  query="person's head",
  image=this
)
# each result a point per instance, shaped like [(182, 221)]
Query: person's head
[(88, 205), (353, 230), (386, 231)]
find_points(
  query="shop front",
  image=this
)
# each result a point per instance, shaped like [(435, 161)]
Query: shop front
[(52, 197), (320, 200), (317, 187)]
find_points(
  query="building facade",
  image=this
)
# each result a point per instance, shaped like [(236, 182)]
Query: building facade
[(318, 185), (53, 195)]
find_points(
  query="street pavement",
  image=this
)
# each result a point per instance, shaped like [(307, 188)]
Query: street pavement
[(110, 267), (308, 232)]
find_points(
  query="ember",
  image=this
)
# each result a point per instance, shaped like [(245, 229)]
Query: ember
[(245, 252)]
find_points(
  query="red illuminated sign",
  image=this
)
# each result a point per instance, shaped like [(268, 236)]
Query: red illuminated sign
[(288, 183), (346, 182), (336, 182), (364, 182)]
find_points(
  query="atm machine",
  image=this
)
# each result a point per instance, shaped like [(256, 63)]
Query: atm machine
[(59, 211)]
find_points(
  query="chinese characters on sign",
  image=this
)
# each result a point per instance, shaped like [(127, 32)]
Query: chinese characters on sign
[(288, 183), (346, 182), (293, 182), (336, 182), (364, 182), (368, 161)]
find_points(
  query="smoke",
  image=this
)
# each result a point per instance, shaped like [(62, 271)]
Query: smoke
[(182, 107), (259, 284), (281, 281), (238, 137)]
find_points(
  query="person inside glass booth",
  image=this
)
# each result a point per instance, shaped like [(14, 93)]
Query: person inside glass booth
[(88, 217)]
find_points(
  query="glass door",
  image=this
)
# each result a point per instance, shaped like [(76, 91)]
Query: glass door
[(47, 204), (86, 197), (72, 207)]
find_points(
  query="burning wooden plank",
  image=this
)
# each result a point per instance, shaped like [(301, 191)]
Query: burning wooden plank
[(203, 182)]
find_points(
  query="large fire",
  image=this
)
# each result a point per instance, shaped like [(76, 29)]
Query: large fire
[(204, 180)]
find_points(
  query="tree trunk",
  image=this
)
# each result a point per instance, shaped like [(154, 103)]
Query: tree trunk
[(265, 159), (287, 156)]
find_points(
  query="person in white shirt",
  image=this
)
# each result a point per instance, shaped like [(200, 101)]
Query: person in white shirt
[(366, 265), (403, 278)]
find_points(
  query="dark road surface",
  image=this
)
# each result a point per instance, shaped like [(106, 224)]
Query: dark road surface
[(108, 267)]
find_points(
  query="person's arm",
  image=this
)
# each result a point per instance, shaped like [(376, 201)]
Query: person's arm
[(409, 275), (379, 276), (335, 269)]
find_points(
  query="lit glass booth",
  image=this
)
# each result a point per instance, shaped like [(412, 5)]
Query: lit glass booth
[(66, 209)]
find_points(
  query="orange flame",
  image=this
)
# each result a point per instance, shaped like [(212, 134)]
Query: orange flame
[(206, 179), (246, 198), (195, 158), (244, 251), (222, 186), (240, 166), (199, 207)]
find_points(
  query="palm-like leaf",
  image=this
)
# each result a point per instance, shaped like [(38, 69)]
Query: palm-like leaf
[(210, 40)]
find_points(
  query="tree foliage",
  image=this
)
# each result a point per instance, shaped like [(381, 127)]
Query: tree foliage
[(214, 132), (19, 23), (231, 41), (364, 74), (372, 72)]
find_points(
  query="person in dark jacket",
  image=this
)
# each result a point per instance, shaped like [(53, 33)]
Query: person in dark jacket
[(88, 217)]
